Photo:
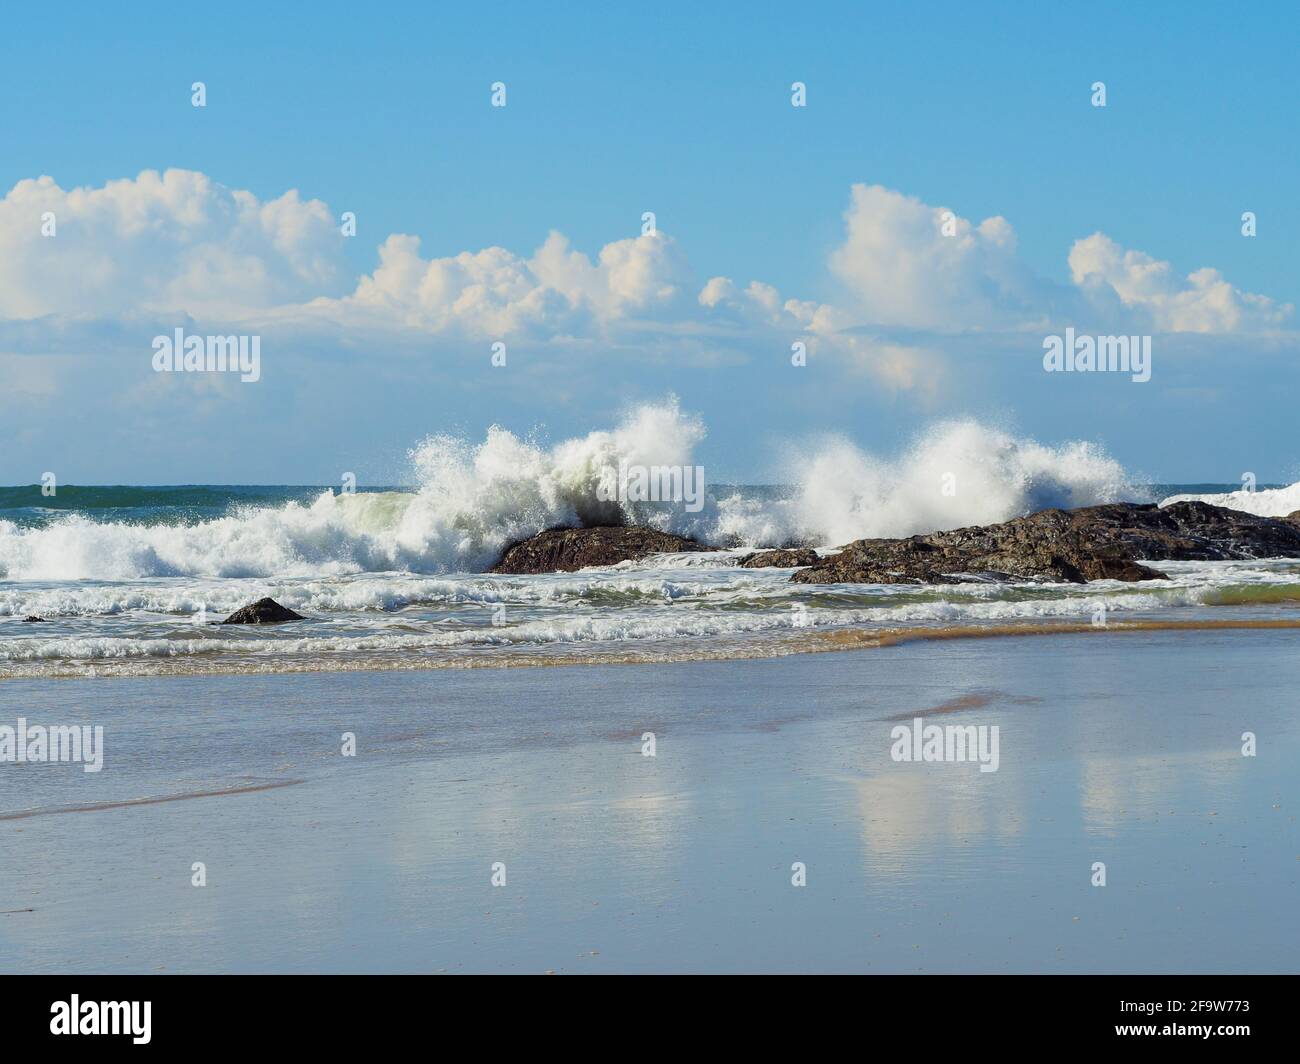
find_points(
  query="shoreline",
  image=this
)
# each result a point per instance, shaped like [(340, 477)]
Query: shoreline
[(763, 647)]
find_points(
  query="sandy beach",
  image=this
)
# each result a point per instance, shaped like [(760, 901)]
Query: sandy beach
[(1122, 749)]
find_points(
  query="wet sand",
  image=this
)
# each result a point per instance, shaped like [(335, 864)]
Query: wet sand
[(1123, 750)]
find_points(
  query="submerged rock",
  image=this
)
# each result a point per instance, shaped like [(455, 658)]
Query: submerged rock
[(780, 559), (263, 611), (565, 550), (33, 619), (1072, 546)]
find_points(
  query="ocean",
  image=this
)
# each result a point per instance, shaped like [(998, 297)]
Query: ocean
[(442, 769), (135, 580)]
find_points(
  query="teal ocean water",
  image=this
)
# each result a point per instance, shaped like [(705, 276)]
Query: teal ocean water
[(27, 507)]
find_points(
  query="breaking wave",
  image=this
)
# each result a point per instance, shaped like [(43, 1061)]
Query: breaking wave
[(471, 500), (1267, 502)]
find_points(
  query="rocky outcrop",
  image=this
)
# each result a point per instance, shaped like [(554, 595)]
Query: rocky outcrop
[(33, 619), (1074, 546), (780, 559), (565, 550), (1204, 532), (263, 611)]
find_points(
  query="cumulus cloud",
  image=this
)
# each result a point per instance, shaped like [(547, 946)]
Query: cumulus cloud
[(180, 243), (1202, 302), (827, 332), (760, 303), (495, 292), (904, 262), (176, 241)]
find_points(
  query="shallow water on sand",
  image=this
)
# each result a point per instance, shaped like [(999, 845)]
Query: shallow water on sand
[(1124, 750)]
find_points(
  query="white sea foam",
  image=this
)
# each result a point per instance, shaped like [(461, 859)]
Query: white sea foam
[(1268, 502), (472, 500), (614, 627), (375, 592), (956, 473)]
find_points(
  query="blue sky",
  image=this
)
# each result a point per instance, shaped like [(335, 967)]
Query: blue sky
[(683, 110)]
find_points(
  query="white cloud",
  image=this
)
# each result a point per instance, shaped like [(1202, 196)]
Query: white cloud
[(1203, 302), (900, 268), (495, 292), (180, 243), (760, 303), (176, 241)]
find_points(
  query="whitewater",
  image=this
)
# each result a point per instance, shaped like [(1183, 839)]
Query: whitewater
[(132, 580), (470, 501)]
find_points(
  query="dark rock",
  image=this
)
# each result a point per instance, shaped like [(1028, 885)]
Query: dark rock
[(780, 559), (33, 619), (565, 550), (1075, 546), (1189, 531), (263, 611), (1110, 567)]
